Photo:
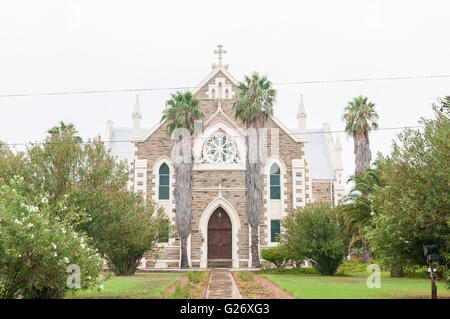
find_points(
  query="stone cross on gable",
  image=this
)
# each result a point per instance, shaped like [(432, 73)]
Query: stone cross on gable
[(219, 53)]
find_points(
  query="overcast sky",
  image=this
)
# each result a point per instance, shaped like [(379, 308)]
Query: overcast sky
[(52, 46)]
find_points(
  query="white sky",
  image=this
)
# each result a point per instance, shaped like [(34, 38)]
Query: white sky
[(93, 45)]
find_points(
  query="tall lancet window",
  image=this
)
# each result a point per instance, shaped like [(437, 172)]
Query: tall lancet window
[(275, 189), (164, 182)]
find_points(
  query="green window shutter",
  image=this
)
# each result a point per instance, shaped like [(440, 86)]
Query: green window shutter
[(275, 192), (164, 182), (275, 189), (274, 230), (163, 192)]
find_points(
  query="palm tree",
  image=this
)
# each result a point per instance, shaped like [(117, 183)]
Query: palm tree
[(63, 129), (360, 117), (181, 112), (254, 107), (357, 207)]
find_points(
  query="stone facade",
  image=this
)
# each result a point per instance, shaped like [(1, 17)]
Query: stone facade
[(223, 185)]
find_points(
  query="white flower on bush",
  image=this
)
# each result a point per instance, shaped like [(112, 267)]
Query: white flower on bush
[(66, 260), (83, 245), (63, 230), (32, 236), (31, 208), (56, 254), (30, 225), (54, 246), (101, 287), (44, 200)]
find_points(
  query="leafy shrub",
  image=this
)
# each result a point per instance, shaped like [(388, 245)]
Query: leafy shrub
[(245, 275), (180, 291), (195, 284), (413, 207), (349, 266), (85, 187), (276, 255), (123, 227), (316, 233), (197, 276), (37, 249), (297, 270), (417, 271)]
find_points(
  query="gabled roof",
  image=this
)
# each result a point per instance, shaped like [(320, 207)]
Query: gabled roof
[(216, 70), (318, 155), (121, 145)]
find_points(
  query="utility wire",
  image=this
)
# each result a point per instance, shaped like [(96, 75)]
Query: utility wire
[(394, 78), (204, 138)]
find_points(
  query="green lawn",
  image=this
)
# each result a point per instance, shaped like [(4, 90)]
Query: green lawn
[(141, 285), (354, 286)]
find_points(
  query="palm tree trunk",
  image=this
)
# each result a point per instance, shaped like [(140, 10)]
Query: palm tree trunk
[(253, 193), (363, 156), (184, 264), (256, 263), (365, 253), (183, 206)]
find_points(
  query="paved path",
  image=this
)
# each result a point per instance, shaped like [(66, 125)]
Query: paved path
[(222, 285)]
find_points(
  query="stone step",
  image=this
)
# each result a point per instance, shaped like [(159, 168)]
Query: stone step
[(220, 263)]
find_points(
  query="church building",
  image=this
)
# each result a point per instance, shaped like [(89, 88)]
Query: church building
[(302, 165)]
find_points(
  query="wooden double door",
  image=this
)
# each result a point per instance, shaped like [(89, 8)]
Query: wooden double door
[(219, 235)]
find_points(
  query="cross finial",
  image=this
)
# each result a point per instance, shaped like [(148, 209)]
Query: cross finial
[(219, 53)]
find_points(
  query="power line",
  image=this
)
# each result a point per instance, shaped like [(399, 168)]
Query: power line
[(394, 78), (204, 138)]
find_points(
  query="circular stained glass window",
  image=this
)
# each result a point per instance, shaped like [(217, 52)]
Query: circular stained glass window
[(220, 149)]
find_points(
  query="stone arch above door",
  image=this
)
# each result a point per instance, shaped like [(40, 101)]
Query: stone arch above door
[(203, 228), (219, 235)]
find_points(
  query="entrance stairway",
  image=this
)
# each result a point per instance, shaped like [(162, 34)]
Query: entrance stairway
[(220, 263)]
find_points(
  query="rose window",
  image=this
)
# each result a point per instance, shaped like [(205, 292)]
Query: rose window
[(220, 149)]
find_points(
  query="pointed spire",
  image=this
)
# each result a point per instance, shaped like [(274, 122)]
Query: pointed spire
[(137, 109), (137, 117), (301, 118), (338, 155), (338, 143), (301, 108)]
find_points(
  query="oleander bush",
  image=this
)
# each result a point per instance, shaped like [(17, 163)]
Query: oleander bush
[(36, 249), (85, 193)]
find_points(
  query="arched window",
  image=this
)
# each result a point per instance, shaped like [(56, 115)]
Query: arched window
[(219, 90), (275, 189), (164, 181), (220, 149)]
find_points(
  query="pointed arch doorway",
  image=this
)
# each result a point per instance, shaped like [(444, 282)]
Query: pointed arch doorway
[(219, 239)]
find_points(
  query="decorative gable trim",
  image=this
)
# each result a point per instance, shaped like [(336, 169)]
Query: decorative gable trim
[(287, 131), (150, 133), (211, 75), (220, 111)]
